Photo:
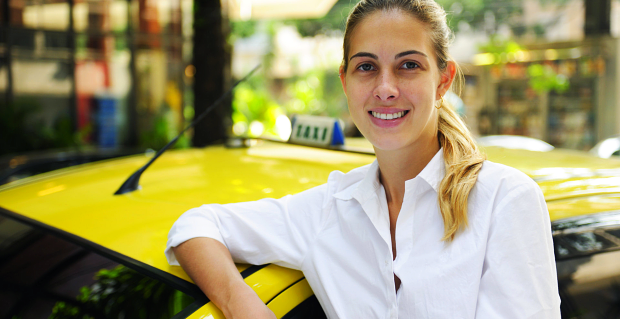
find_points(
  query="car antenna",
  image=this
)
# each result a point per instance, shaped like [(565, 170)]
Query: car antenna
[(133, 182)]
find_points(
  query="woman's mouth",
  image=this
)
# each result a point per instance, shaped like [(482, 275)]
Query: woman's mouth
[(388, 116)]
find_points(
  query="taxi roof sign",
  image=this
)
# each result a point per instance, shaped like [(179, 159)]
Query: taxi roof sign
[(317, 130)]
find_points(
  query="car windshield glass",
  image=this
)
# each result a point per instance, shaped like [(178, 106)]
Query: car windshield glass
[(44, 276)]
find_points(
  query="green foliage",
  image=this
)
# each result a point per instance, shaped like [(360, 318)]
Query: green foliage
[(306, 96), (561, 2), (335, 19), (262, 99), (484, 15), (487, 15), (315, 93), (163, 130), (22, 132), (157, 136), (252, 102), (242, 29), (498, 45), (122, 293), (544, 79)]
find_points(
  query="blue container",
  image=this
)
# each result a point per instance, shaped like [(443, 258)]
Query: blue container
[(107, 132)]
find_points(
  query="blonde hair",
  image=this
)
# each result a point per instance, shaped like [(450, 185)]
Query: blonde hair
[(463, 159)]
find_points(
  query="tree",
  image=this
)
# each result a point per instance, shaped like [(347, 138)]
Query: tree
[(484, 15), (598, 17), (212, 62), (488, 15)]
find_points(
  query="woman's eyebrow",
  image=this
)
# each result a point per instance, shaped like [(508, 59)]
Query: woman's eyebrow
[(364, 54), (374, 56), (402, 54)]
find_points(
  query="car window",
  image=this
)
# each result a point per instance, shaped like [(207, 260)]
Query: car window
[(587, 251), (45, 276), (590, 286), (309, 309)]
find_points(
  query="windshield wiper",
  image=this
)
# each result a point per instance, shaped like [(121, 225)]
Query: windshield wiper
[(133, 182)]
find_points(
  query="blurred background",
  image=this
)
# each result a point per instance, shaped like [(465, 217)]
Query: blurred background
[(116, 77), (85, 80)]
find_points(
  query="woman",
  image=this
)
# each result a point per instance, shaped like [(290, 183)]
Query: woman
[(429, 230)]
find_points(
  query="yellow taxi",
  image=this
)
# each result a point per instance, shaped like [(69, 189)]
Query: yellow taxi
[(71, 248)]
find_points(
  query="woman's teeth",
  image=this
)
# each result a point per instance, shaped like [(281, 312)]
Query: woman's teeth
[(391, 116)]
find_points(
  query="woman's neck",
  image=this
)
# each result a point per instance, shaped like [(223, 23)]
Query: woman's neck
[(398, 166)]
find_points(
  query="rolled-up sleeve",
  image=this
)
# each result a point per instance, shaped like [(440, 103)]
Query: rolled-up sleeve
[(277, 231), (519, 277)]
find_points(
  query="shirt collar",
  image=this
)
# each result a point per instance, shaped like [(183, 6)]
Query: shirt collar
[(433, 173), (368, 185)]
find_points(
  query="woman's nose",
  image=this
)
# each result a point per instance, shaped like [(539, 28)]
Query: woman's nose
[(386, 88)]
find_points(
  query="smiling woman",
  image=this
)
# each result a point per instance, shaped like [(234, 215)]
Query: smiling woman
[(417, 29), (429, 230)]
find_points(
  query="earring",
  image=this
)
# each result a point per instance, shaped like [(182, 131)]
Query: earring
[(440, 103)]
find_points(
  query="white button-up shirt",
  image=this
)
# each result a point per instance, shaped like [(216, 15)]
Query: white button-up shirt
[(501, 266)]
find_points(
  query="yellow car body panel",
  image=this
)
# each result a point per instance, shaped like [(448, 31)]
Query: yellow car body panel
[(287, 300), (280, 304), (208, 311), (268, 283), (80, 200)]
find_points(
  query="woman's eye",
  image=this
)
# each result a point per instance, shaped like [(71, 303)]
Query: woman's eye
[(366, 67), (410, 65)]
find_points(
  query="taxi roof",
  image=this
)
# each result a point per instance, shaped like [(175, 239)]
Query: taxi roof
[(80, 200)]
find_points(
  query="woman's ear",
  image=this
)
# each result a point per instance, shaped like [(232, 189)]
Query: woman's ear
[(446, 77), (343, 79)]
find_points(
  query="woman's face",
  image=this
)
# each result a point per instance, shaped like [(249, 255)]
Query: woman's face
[(392, 81)]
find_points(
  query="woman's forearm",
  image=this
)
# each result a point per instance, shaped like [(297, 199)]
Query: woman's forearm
[(210, 265)]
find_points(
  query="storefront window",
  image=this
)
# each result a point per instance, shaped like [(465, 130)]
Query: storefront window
[(554, 100), (572, 116), (41, 94), (93, 80), (101, 16), (41, 14), (160, 95)]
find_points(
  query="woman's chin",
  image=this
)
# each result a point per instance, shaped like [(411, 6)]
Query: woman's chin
[(387, 144)]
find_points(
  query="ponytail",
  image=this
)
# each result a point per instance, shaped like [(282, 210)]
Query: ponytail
[(463, 161)]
